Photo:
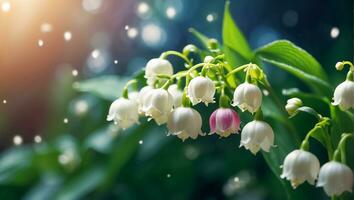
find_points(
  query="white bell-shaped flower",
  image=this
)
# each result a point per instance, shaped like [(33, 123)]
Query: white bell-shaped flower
[(124, 112), (201, 89), (176, 94), (157, 104), (257, 135), (157, 66), (300, 166), (344, 95), (141, 96), (292, 105), (185, 123), (247, 97), (335, 178)]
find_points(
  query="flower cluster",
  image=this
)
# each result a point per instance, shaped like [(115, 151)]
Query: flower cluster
[(168, 98), (301, 165)]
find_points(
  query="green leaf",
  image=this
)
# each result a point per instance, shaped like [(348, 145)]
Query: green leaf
[(15, 164), (233, 37), (204, 40), (106, 87), (296, 61), (82, 184), (342, 122), (101, 140)]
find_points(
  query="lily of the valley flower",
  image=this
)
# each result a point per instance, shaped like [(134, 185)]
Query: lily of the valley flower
[(292, 105), (335, 178), (157, 104), (257, 135), (344, 95), (141, 96), (300, 166), (247, 97), (201, 89), (224, 121), (176, 94), (185, 123), (124, 112), (157, 66)]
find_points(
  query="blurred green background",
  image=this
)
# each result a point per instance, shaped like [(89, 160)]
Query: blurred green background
[(55, 141)]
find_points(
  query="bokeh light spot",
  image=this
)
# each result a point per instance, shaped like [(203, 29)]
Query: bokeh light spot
[(67, 35), (334, 32), (5, 6), (17, 140), (171, 12)]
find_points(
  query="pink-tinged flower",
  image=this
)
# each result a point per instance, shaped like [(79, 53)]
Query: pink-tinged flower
[(224, 122)]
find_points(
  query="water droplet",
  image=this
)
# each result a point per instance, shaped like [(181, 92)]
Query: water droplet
[(171, 12), (40, 43), (95, 53), (37, 139), (143, 8), (132, 32), (46, 27), (66, 120), (335, 32), (5, 6), (141, 141), (67, 35), (210, 18), (74, 72), (17, 140)]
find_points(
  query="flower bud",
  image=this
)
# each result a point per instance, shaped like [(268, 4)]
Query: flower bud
[(157, 66), (185, 123), (201, 89), (157, 104), (208, 59), (124, 112), (189, 48), (224, 122), (257, 135), (344, 95), (248, 97), (300, 166), (335, 178), (176, 94), (292, 105), (339, 66)]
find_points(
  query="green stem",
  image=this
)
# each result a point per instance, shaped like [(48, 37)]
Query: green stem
[(125, 89), (178, 54), (237, 70), (342, 146), (282, 110)]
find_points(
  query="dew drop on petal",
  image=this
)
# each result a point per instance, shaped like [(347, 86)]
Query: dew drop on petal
[(17, 140)]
